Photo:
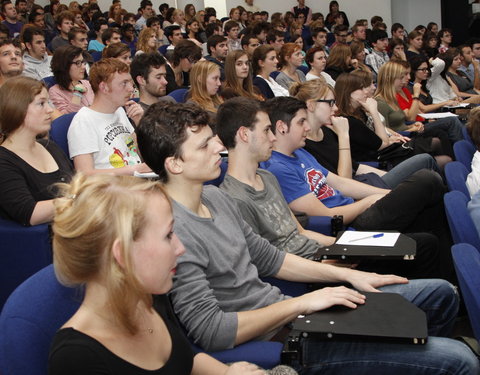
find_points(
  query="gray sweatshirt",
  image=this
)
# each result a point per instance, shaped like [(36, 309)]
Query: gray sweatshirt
[(38, 69), (218, 275)]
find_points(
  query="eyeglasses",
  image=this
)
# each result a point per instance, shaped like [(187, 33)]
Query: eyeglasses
[(423, 70), (79, 63), (331, 102)]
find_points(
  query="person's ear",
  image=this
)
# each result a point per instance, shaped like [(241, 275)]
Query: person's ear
[(103, 87), (281, 127), (173, 165), (242, 133), (117, 252), (311, 105), (141, 81)]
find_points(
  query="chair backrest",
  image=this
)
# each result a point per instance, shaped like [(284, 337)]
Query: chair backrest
[(461, 224), (466, 259), (180, 95), (304, 69), (49, 81), (23, 251), (466, 136), (464, 151), (274, 74), (163, 49), (96, 55), (456, 175), (29, 320), (59, 130)]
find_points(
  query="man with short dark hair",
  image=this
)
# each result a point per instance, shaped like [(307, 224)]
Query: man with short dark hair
[(217, 293), (147, 12), (11, 62), (78, 37), (319, 37), (398, 31), (10, 19), (470, 65), (36, 60), (21, 7), (341, 35), (149, 74), (379, 56), (276, 39), (249, 44), (64, 22), (111, 36), (217, 46)]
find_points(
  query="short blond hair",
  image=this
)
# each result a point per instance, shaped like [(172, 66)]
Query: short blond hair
[(91, 214)]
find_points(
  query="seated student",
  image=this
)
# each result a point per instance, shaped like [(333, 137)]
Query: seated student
[(317, 59), (461, 84), (232, 29), (339, 61), (120, 328), (128, 37), (445, 39), (238, 77), (64, 23), (249, 44), (290, 59), (244, 129), (184, 56), (205, 77), (11, 62), (415, 205), (118, 51), (100, 137), (29, 167), (473, 128), (217, 293), (218, 50), (396, 49), (415, 45), (264, 63), (149, 75), (329, 139), (147, 41), (99, 27), (35, 59), (379, 55), (72, 91)]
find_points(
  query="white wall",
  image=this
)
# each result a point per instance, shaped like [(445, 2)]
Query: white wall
[(411, 13)]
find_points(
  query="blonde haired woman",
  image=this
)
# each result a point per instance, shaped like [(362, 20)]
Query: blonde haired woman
[(205, 84), (123, 261)]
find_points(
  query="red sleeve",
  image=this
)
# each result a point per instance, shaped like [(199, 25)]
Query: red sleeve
[(407, 103)]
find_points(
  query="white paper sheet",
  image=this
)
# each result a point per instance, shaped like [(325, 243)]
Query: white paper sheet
[(356, 238), (459, 105), (427, 116), (145, 175)]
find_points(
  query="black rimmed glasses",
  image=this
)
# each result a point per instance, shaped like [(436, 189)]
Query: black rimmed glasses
[(331, 102), (79, 63)]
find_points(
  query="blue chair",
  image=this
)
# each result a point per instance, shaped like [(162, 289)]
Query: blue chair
[(163, 49), (23, 251), (466, 259), (59, 130), (456, 175), (96, 55), (466, 136), (464, 151), (304, 69), (274, 74), (223, 171), (41, 305), (461, 224), (180, 95), (29, 320), (49, 81)]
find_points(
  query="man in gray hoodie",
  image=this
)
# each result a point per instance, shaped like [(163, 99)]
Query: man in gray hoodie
[(35, 59)]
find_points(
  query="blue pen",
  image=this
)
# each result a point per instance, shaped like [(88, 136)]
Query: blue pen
[(378, 235)]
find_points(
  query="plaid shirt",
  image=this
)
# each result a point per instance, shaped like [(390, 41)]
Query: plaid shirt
[(376, 60)]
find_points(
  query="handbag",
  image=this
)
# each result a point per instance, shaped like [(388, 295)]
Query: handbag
[(395, 153)]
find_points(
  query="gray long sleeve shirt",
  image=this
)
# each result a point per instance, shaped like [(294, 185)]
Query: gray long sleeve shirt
[(218, 275)]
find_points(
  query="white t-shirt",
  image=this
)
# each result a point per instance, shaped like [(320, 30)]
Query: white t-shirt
[(328, 78), (473, 179), (108, 136)]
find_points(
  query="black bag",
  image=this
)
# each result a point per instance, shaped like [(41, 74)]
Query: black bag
[(395, 153)]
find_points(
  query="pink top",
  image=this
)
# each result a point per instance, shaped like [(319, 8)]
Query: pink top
[(63, 99)]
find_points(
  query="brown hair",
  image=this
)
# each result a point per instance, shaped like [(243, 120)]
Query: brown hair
[(61, 61), (473, 126), (103, 70), (115, 50), (231, 79), (260, 54), (16, 94), (344, 86), (338, 56)]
